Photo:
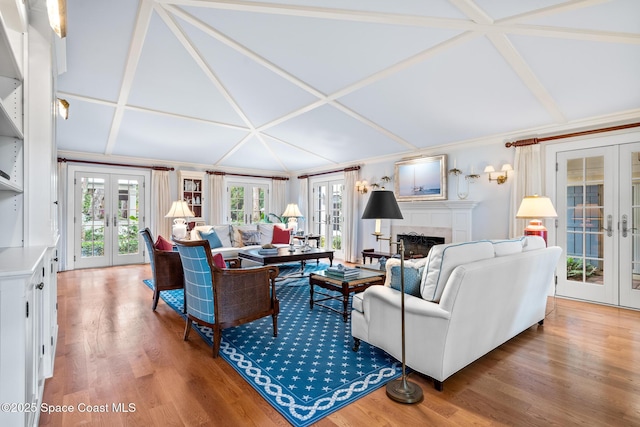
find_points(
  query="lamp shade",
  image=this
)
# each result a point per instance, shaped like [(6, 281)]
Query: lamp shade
[(179, 209), (536, 207), (382, 205), (291, 211)]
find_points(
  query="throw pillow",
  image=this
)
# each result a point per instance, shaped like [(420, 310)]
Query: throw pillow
[(412, 277), (163, 244), (212, 237), (507, 247), (250, 237), (218, 261), (280, 235)]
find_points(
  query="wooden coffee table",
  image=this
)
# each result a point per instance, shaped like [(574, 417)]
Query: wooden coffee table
[(284, 256), (365, 279)]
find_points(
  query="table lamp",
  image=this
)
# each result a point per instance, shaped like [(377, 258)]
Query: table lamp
[(180, 211), (534, 208), (383, 205), (292, 212)]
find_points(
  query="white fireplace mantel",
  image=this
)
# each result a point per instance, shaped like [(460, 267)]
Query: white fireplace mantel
[(451, 219)]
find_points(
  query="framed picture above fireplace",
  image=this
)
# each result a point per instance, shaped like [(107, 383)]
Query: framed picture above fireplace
[(423, 178)]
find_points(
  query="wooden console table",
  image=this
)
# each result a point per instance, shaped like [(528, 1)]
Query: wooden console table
[(371, 254)]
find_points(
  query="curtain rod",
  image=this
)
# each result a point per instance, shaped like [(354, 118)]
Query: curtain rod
[(351, 168), (280, 178), (155, 168), (532, 141)]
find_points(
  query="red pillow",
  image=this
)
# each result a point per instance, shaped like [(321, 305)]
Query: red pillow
[(218, 261), (280, 235), (163, 244)]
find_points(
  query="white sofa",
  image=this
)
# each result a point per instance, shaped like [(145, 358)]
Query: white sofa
[(473, 297), (231, 236)]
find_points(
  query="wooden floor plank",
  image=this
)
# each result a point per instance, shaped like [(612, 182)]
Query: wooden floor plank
[(577, 369)]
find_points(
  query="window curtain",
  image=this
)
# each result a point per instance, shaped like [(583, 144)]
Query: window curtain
[(303, 203), (160, 204), (217, 199), (350, 213), (278, 196), (62, 214), (527, 182)]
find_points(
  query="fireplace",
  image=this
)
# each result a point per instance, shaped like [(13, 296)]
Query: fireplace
[(418, 245)]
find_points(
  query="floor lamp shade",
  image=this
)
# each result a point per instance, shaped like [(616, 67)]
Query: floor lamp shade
[(382, 204), (535, 208)]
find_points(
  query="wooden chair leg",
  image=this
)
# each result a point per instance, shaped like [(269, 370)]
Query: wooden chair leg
[(216, 341), (356, 344), (156, 297), (187, 328), (275, 324)]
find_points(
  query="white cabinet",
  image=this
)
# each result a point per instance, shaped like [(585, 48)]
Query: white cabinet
[(191, 188), (28, 330)]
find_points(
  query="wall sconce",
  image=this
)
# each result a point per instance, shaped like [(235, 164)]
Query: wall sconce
[(63, 108), (57, 12), (362, 187), (462, 194), (501, 176)]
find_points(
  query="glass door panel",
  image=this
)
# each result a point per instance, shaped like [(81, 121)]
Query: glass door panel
[(107, 220), (247, 203), (629, 225), (585, 184), (327, 220)]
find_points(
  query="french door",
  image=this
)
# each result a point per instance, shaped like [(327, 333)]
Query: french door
[(247, 202), (598, 191), (107, 219), (327, 218)]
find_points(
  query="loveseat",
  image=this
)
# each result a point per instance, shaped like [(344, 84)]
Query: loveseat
[(468, 298), (239, 237)]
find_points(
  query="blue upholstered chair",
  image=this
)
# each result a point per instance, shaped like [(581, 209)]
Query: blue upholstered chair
[(221, 298), (165, 266)]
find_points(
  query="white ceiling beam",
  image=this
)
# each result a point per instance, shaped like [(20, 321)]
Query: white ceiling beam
[(473, 11), (204, 66), (235, 148), (244, 51), (526, 74), (297, 147), (271, 153), (566, 6), (329, 13), (135, 48), (565, 33)]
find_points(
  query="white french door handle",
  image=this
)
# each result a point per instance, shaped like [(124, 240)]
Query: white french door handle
[(625, 223), (609, 228)]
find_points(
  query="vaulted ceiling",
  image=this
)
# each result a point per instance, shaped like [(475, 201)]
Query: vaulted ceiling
[(290, 85)]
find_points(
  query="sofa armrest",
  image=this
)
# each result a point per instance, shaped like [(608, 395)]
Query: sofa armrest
[(377, 298)]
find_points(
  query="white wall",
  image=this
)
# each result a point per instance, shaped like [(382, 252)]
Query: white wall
[(490, 217)]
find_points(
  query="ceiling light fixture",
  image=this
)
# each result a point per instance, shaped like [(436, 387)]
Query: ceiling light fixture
[(57, 11)]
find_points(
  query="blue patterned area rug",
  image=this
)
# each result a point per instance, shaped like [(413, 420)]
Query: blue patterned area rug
[(309, 370)]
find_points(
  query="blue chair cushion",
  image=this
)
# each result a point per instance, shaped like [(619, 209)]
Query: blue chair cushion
[(412, 277), (212, 237)]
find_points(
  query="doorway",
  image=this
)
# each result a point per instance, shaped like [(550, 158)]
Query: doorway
[(598, 201), (108, 214), (327, 217)]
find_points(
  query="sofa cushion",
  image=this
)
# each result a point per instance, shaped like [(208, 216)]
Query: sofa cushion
[(532, 243), (507, 247), (280, 235), (218, 260), (412, 279), (223, 232), (163, 244), (250, 237), (443, 259), (212, 237)]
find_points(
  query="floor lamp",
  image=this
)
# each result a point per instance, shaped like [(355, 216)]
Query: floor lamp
[(383, 205)]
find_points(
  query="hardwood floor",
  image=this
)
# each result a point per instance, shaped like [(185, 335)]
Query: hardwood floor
[(578, 369)]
